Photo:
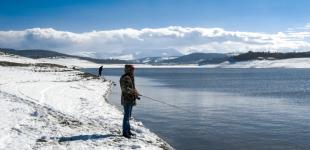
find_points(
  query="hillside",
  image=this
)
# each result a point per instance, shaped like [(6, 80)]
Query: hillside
[(269, 56), (36, 54), (197, 58)]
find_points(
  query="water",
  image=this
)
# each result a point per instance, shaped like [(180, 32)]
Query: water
[(229, 108)]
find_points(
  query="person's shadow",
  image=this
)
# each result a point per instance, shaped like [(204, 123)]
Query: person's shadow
[(82, 137)]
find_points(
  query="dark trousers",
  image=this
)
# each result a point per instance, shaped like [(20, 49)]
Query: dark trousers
[(127, 115)]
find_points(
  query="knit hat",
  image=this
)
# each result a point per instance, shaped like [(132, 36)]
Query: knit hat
[(128, 68)]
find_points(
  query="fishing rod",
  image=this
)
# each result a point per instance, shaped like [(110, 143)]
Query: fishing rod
[(150, 98)]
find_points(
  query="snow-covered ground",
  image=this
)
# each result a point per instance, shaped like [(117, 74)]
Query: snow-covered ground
[(57, 108)]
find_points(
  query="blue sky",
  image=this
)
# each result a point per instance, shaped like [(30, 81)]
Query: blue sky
[(85, 15), (118, 27)]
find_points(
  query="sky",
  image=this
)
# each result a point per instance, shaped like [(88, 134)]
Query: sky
[(185, 25)]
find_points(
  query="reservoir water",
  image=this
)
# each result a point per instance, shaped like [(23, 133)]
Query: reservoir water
[(225, 108)]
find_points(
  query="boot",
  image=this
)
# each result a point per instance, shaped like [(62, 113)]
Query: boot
[(127, 136), (131, 134)]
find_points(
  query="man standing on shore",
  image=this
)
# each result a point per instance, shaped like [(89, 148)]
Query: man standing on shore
[(129, 96), (100, 71)]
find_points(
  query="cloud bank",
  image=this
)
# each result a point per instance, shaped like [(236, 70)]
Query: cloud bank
[(183, 39)]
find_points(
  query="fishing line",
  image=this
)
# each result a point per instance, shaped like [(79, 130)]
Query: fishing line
[(171, 105)]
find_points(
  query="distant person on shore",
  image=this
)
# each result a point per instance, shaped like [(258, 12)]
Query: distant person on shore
[(100, 71), (129, 96)]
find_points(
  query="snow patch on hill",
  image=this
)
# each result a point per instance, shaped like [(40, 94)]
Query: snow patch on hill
[(67, 61)]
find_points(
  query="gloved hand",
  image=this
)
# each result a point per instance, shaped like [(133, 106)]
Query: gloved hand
[(137, 94), (134, 92)]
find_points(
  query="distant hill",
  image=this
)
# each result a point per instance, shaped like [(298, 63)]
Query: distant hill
[(216, 58), (36, 54), (194, 58), (269, 56), (198, 58)]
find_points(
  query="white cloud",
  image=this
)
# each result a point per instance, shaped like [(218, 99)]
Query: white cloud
[(181, 38)]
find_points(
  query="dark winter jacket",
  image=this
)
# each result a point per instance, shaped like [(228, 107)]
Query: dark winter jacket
[(127, 83)]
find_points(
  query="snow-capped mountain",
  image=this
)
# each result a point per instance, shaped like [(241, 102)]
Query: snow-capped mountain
[(153, 60), (139, 54)]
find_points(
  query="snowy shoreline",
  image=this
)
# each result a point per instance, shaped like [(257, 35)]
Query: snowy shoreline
[(48, 106)]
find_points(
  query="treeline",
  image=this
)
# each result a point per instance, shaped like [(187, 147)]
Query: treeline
[(268, 56)]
